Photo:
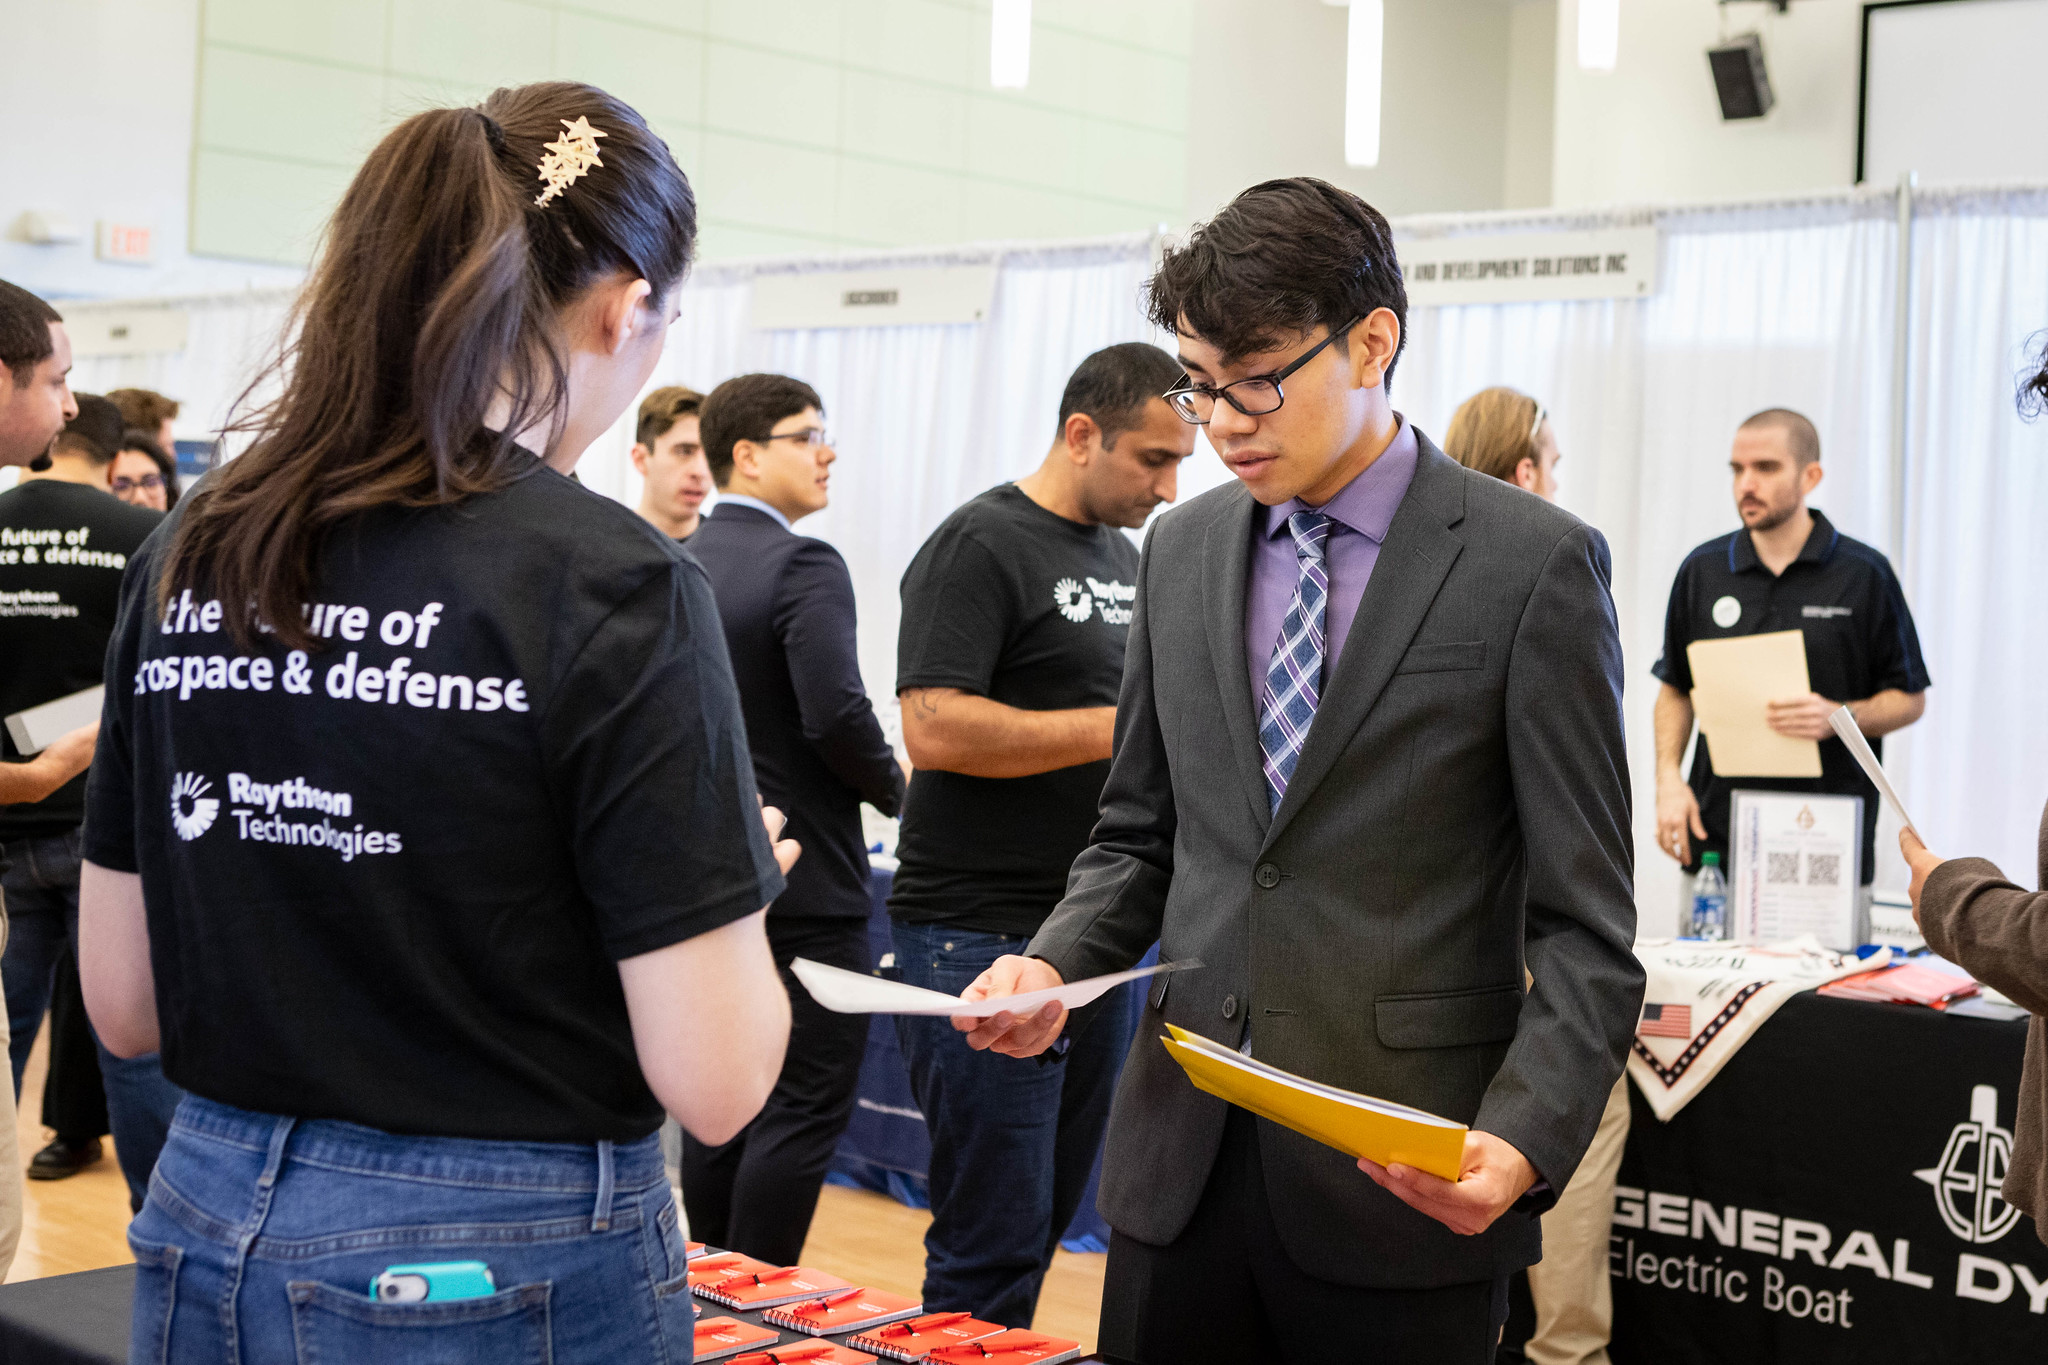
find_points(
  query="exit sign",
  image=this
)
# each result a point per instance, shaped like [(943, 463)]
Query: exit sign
[(126, 243)]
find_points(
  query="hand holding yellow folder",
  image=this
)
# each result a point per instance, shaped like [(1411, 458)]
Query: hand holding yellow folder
[(1355, 1124)]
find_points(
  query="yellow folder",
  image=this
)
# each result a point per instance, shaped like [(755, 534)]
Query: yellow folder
[(1358, 1125)]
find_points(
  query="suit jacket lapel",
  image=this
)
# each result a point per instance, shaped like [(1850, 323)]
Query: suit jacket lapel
[(1414, 560), (1226, 560)]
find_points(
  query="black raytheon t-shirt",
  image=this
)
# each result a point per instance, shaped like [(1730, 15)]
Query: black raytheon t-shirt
[(63, 548), (389, 881), (1014, 603)]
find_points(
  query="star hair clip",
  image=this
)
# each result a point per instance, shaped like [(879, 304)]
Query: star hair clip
[(569, 158)]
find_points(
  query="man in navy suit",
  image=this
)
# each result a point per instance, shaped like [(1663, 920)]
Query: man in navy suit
[(786, 602)]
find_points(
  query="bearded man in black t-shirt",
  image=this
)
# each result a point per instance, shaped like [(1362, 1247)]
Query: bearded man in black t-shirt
[(1009, 658), (65, 543)]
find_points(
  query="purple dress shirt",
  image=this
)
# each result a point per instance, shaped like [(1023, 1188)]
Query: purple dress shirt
[(1359, 517)]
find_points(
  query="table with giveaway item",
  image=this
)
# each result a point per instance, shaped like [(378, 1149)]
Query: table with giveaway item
[(748, 1313)]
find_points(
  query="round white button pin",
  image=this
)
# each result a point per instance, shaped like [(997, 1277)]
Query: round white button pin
[(1727, 612)]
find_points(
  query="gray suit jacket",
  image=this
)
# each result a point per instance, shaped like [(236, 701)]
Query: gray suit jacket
[(1461, 809)]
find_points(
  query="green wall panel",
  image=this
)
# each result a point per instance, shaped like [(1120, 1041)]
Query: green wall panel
[(804, 124)]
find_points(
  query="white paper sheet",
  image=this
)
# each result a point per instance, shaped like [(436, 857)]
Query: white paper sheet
[(37, 728), (845, 992), (1852, 736)]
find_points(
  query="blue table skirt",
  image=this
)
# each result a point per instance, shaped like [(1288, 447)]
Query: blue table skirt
[(886, 1147)]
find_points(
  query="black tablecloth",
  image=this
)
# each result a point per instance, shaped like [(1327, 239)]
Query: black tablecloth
[(77, 1319), (1843, 1153)]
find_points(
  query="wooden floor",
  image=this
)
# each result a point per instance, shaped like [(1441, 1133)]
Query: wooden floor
[(66, 1225), (80, 1224), (873, 1240)]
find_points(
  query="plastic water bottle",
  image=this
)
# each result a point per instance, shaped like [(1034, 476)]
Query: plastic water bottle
[(1710, 900)]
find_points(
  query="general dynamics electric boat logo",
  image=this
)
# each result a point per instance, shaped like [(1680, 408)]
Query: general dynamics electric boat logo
[(192, 810), (1973, 1164)]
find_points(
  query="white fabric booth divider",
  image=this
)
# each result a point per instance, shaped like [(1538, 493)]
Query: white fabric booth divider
[(1788, 303)]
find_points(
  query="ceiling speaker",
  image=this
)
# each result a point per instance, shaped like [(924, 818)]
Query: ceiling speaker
[(1740, 79)]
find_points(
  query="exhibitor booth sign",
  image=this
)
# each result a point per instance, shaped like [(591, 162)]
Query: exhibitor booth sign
[(1833, 1196)]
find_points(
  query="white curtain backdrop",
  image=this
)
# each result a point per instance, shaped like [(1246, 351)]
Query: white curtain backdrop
[(229, 338), (922, 417), (1781, 304), (1757, 307), (1975, 771)]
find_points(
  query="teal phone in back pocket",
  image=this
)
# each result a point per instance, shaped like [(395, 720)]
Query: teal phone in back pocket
[(433, 1281)]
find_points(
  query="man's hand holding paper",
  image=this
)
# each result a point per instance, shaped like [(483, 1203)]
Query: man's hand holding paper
[(1007, 1033), (1492, 1176), (1801, 717)]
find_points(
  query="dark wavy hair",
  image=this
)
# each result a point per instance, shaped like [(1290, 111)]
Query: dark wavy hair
[(1279, 260), (746, 408), (2033, 395), (438, 288)]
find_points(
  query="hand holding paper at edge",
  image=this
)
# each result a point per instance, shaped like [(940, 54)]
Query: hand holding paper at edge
[(1844, 721), (845, 992), (1734, 681)]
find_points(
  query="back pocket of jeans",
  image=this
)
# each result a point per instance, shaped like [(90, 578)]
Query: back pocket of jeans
[(341, 1327), (156, 1292)]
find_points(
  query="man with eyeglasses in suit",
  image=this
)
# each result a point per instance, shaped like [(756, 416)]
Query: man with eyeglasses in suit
[(786, 602), (1368, 768)]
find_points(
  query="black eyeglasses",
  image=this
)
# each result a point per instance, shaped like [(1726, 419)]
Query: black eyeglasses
[(123, 484), (810, 436), (1254, 397)]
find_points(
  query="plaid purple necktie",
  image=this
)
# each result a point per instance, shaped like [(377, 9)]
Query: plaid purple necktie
[(1294, 680)]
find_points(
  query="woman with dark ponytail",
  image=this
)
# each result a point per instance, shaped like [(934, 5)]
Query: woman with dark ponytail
[(422, 836)]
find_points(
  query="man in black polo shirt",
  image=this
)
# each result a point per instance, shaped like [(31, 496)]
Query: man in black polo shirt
[(1788, 569)]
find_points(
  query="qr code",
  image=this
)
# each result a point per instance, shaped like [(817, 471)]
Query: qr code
[(1823, 869), (1782, 869)]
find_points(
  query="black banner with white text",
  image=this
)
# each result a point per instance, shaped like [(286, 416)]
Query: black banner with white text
[(1833, 1196)]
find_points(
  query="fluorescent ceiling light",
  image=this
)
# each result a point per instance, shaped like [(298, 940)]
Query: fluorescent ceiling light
[(1363, 49), (1599, 34), (1009, 44)]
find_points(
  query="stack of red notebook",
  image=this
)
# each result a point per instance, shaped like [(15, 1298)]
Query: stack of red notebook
[(845, 1310), (916, 1338), (1015, 1347), (718, 1337), (770, 1286)]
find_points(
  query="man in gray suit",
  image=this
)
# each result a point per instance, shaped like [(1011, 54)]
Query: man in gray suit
[(1368, 768)]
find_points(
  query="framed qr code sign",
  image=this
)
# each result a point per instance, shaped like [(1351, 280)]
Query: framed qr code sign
[(1796, 868)]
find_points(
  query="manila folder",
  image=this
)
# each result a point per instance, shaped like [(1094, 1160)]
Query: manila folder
[(1357, 1125), (1732, 681)]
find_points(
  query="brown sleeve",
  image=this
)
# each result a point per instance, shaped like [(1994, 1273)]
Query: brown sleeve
[(1996, 931)]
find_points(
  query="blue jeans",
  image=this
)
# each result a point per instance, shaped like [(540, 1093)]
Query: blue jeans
[(1013, 1139), (41, 882), (262, 1234)]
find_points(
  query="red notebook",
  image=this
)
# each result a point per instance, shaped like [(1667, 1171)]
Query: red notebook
[(1015, 1347), (804, 1353), (692, 1250), (772, 1286), (709, 1270), (727, 1336), (848, 1310), (917, 1338)]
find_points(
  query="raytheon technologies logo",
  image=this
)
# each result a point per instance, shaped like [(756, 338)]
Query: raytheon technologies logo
[(1972, 1165), (192, 810)]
